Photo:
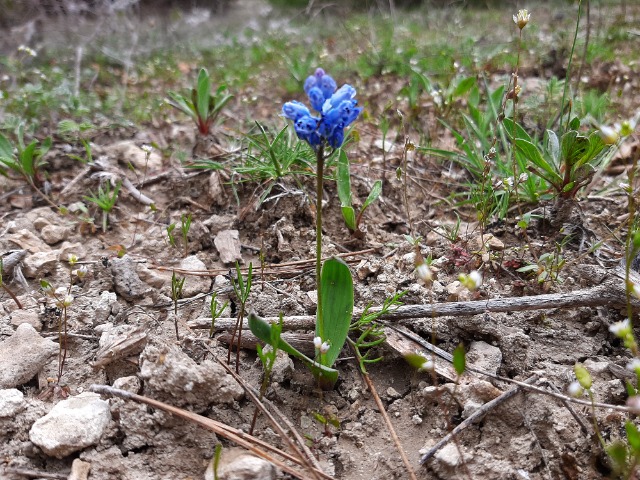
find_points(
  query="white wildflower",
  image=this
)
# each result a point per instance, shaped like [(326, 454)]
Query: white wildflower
[(575, 389), (424, 272), (621, 328), (324, 348), (634, 365), (317, 343), (522, 18), (609, 135)]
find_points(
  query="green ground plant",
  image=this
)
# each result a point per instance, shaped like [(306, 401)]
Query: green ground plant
[(105, 199), (201, 106)]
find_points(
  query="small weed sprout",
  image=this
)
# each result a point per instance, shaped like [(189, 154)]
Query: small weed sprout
[(268, 356), (216, 311), (242, 289), (25, 160), (105, 199), (177, 285), (370, 332), (170, 236), (548, 267), (202, 107), (343, 179)]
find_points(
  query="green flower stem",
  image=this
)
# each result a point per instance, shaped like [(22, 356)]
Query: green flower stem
[(319, 178), (568, 78)]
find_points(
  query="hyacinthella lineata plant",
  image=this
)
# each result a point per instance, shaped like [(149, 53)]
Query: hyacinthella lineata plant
[(336, 109)]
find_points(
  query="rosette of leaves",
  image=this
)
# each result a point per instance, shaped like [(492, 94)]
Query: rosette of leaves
[(567, 162), (202, 107)]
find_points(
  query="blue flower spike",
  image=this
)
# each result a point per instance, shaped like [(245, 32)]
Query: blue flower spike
[(337, 110)]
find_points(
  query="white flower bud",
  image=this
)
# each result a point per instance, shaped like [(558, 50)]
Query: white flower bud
[(424, 272), (324, 348), (317, 343)]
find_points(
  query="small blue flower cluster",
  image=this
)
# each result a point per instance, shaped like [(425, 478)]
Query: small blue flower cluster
[(337, 110)]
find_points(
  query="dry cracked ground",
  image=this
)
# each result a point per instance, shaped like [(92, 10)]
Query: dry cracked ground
[(120, 328)]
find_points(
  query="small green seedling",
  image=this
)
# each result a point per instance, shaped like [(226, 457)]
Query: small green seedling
[(202, 107), (185, 226), (268, 357), (106, 199), (242, 289), (25, 160), (170, 236), (344, 193), (216, 312), (177, 285)]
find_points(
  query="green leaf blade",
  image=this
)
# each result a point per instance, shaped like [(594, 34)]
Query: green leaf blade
[(337, 307)]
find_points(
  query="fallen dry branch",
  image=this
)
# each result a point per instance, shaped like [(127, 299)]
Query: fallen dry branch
[(251, 443), (602, 295), (475, 417)]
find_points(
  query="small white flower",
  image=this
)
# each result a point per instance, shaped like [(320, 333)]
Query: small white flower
[(146, 148), (72, 259), (424, 272), (68, 300), (634, 365), (317, 343), (522, 18), (624, 186), (324, 348), (620, 328), (476, 279), (575, 389), (523, 177), (428, 366), (609, 135), (80, 272), (471, 281)]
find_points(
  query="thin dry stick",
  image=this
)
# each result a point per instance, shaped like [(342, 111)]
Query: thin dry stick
[(237, 436), (25, 472), (608, 293), (449, 358), (273, 268), (384, 414), (474, 417)]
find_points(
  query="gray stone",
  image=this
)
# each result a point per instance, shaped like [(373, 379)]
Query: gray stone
[(171, 375), (282, 368), (39, 264), (126, 281), (72, 425), (238, 464), (20, 316), (23, 355), (448, 456), (130, 384), (127, 152), (107, 305), (194, 285), (28, 241), (53, 234), (227, 243), (11, 402), (485, 357)]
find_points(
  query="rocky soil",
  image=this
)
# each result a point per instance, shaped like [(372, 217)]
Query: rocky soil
[(121, 325)]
